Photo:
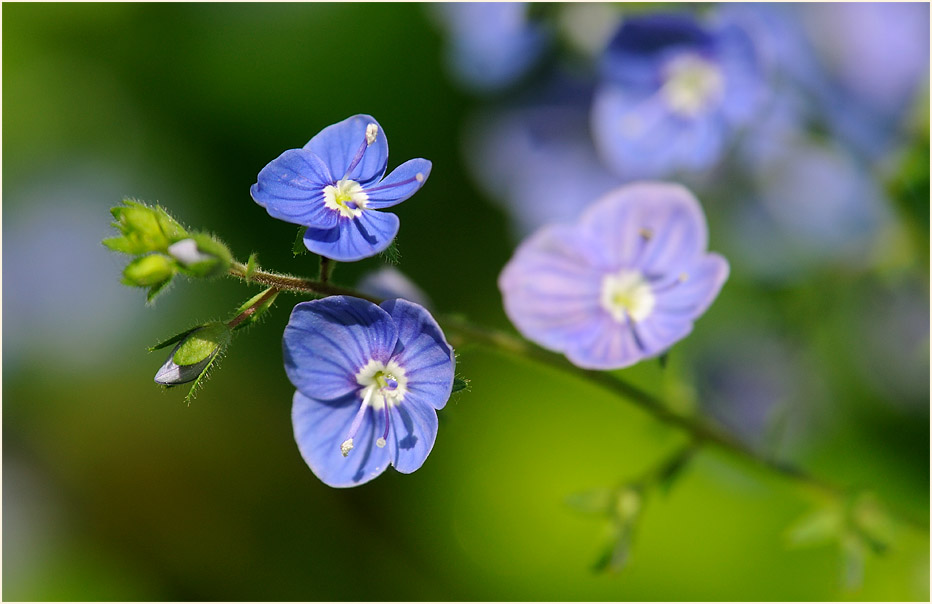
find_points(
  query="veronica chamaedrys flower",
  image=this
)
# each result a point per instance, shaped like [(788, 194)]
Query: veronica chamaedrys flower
[(334, 186), (623, 284), (490, 45), (369, 382), (672, 94)]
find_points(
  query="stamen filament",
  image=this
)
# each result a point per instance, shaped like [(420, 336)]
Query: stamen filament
[(381, 442), (347, 444), (371, 132)]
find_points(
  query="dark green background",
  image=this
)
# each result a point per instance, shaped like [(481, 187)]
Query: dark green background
[(114, 489)]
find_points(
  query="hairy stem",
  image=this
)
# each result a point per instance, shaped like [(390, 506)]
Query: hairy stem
[(701, 432)]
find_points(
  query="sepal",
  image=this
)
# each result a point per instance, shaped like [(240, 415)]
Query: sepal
[(195, 352), (201, 255), (269, 294)]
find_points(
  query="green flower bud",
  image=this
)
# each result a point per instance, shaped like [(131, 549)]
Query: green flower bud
[(193, 355), (153, 271), (201, 255), (144, 229)]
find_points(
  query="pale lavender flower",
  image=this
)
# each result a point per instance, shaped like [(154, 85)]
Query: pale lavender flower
[(623, 284)]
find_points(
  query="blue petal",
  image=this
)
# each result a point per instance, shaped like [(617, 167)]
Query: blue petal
[(321, 427), (668, 214), (691, 298), (338, 144), (610, 345), (291, 188), (412, 435), (328, 341), (354, 238), (402, 183), (550, 288), (423, 352)]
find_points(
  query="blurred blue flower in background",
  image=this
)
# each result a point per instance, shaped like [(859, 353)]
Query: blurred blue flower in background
[(333, 185), (672, 95), (623, 284), (537, 159), (389, 282), (490, 44), (369, 380), (876, 55)]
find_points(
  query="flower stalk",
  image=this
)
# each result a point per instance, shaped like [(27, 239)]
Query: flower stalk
[(701, 432)]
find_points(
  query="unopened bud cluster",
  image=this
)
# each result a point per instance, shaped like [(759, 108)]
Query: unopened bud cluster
[(163, 248)]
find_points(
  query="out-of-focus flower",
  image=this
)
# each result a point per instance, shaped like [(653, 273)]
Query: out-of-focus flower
[(812, 205), (491, 44), (623, 284), (334, 185), (538, 162), (369, 380), (672, 95), (877, 56), (389, 282)]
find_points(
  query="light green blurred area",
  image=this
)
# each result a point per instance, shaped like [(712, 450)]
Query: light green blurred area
[(115, 490)]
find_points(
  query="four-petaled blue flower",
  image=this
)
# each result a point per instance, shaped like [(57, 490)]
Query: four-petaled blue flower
[(334, 185), (369, 380), (672, 95), (623, 284)]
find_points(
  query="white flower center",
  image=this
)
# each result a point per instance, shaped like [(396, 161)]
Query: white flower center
[(627, 294), (347, 197), (692, 84), (382, 384), (383, 387)]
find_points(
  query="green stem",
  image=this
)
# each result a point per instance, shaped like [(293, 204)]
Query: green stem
[(702, 433)]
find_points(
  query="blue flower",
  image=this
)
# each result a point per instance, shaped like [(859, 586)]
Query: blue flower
[(369, 380), (491, 44), (334, 185), (389, 282), (538, 160), (672, 95), (623, 284)]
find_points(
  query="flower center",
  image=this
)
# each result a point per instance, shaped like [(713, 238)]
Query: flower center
[(384, 385), (346, 197), (691, 85), (626, 295)]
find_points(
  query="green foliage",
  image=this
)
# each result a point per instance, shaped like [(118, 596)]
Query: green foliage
[(269, 295), (298, 248), (460, 384), (154, 271), (391, 255), (143, 229), (202, 343)]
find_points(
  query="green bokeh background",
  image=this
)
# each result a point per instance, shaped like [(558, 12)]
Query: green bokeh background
[(115, 490)]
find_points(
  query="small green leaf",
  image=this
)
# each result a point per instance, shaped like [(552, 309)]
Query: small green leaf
[(853, 558), (202, 343), (251, 265), (156, 289), (671, 472), (596, 501), (125, 245), (391, 255), (171, 340), (299, 248), (170, 227), (197, 382), (460, 384), (259, 311), (821, 526)]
